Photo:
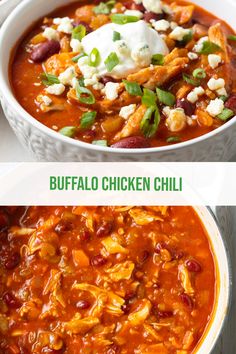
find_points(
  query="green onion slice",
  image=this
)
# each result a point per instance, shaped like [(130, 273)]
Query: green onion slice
[(122, 19), (190, 80), (104, 8), (232, 38), (84, 95), (150, 122), (100, 142), (49, 79), (149, 98), (173, 139), (68, 131), (209, 48), (77, 57), (223, 98), (187, 38), (165, 97), (116, 36), (226, 114), (133, 88), (94, 57), (199, 73), (158, 59), (111, 61), (88, 119), (79, 32)]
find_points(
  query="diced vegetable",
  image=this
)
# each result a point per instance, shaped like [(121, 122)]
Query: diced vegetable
[(87, 119), (49, 79), (226, 114), (104, 7), (94, 57), (165, 97), (158, 59), (77, 57), (149, 98), (133, 88), (232, 38), (122, 19), (116, 36), (100, 142), (79, 32), (84, 95), (111, 61), (150, 122), (173, 139), (199, 73), (68, 131), (190, 80), (209, 48)]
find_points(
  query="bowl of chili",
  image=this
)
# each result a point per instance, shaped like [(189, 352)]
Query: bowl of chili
[(170, 99), (112, 280)]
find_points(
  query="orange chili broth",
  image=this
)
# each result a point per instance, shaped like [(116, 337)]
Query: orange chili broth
[(179, 220)]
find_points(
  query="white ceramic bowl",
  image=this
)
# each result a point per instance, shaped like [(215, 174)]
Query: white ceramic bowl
[(47, 145), (6, 7)]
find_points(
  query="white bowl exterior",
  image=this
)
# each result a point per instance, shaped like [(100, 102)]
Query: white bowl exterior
[(6, 6), (47, 145)]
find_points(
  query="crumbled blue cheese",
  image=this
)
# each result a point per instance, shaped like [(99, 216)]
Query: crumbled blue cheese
[(76, 45), (141, 54), (176, 119), (192, 56), (64, 24), (138, 2), (199, 45), (135, 13), (51, 34), (66, 76), (173, 25), (153, 6), (215, 107), (90, 74), (161, 25), (214, 60), (132, 35), (216, 84), (46, 100), (122, 48), (222, 92), (111, 90), (56, 89), (179, 33), (126, 111), (193, 96)]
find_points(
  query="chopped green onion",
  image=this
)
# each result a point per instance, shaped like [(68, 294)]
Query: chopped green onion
[(87, 119), (84, 95), (111, 61), (199, 73), (49, 79), (165, 97), (122, 19), (104, 8), (223, 98), (133, 88), (232, 38), (116, 36), (226, 114), (77, 57), (187, 38), (190, 80), (100, 142), (79, 32), (158, 59), (81, 81), (68, 131), (209, 48), (173, 139), (94, 57), (150, 122), (149, 98)]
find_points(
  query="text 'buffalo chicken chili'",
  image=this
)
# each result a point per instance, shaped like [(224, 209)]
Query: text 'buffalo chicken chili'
[(128, 74), (104, 280)]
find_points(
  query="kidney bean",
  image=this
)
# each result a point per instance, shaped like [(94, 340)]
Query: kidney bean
[(132, 142), (130, 295), (84, 235), (126, 307), (98, 261), (4, 220), (44, 50), (186, 299), (11, 300), (130, 5), (164, 314), (104, 229), (178, 255), (12, 261), (148, 16), (193, 266), (105, 79), (63, 226), (188, 107), (82, 305), (88, 28), (231, 103)]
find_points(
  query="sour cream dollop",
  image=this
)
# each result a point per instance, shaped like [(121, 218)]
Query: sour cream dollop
[(138, 43)]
